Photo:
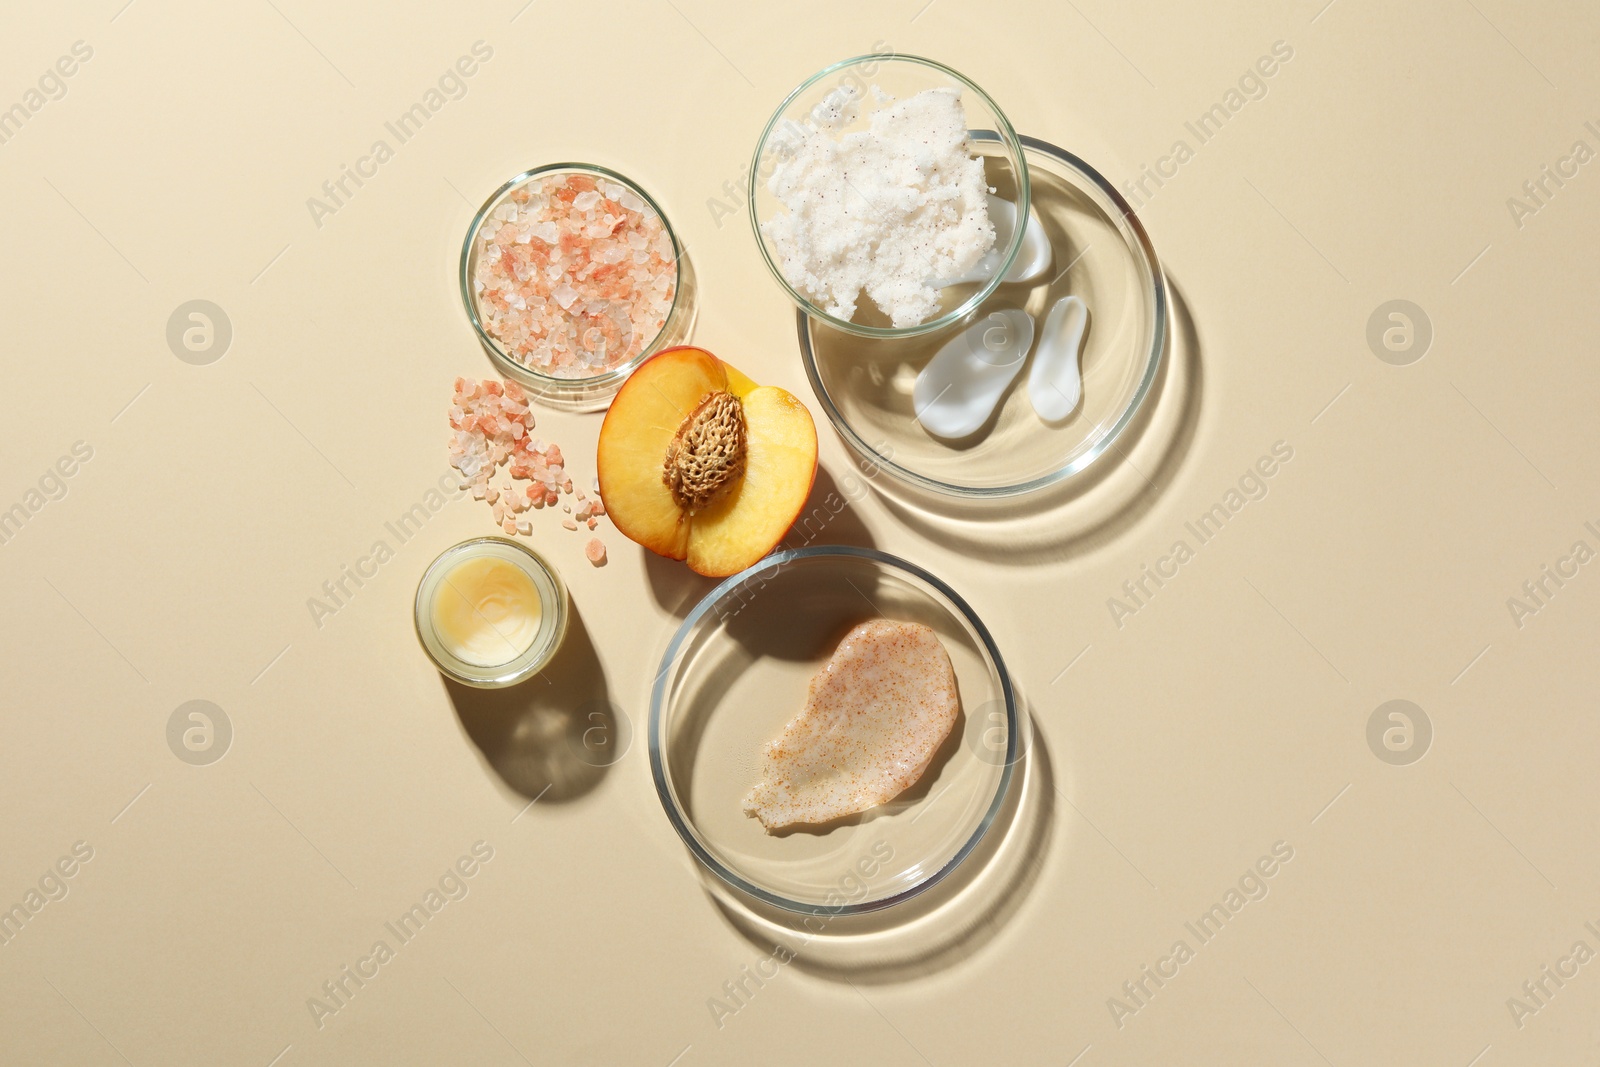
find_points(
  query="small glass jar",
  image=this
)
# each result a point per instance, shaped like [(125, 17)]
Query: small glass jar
[(531, 583), (556, 390)]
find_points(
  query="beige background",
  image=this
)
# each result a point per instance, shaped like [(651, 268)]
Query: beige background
[(1228, 714)]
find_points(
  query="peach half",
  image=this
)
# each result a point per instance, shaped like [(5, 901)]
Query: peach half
[(699, 463)]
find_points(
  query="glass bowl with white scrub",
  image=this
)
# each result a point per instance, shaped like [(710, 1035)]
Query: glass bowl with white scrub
[(490, 612), (842, 102)]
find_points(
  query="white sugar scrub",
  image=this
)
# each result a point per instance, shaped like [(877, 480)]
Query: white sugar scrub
[(887, 210)]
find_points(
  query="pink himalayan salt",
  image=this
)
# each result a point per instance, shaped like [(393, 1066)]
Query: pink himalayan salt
[(595, 551), (575, 275), (491, 421)]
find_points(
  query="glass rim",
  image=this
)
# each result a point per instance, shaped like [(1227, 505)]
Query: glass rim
[(527, 670), (1158, 318), (658, 692), (1006, 135), (497, 353)]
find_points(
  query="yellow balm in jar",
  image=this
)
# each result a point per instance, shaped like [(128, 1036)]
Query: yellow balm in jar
[(490, 612), (486, 611)]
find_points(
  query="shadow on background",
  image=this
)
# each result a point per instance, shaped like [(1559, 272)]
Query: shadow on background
[(826, 518), (554, 735), (935, 930), (1095, 507)]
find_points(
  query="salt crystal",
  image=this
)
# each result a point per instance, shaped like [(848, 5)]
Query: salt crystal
[(523, 287), (595, 551)]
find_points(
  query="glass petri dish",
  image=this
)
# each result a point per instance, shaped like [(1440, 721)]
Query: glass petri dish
[(738, 669), (991, 138), (1102, 254), (554, 610), (578, 389)]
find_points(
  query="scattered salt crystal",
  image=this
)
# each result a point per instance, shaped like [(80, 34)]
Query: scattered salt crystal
[(490, 422), (595, 551), (569, 524)]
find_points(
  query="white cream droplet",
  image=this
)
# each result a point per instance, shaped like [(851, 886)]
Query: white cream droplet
[(1055, 384), (963, 383)]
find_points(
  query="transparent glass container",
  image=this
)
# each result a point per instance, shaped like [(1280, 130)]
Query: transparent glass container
[(737, 671), (1100, 253), (574, 393), (991, 138), (553, 615)]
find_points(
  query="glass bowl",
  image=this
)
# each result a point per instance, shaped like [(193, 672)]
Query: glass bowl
[(575, 393), (738, 669), (554, 612), (1102, 254), (901, 76)]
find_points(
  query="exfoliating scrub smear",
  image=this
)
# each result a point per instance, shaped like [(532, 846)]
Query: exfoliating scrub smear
[(738, 676), (490, 612), (876, 157)]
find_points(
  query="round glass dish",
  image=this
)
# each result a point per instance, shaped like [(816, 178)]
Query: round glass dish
[(991, 138), (738, 669), (1102, 254), (554, 612), (575, 393)]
